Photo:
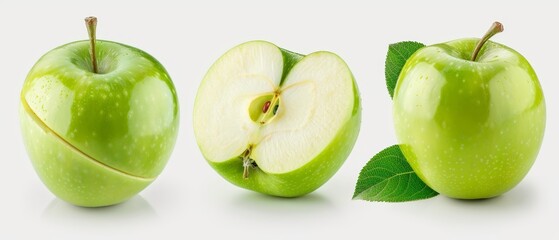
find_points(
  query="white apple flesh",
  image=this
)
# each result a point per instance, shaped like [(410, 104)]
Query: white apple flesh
[(274, 121)]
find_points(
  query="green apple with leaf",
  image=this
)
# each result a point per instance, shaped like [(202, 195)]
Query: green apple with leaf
[(470, 116), (274, 121), (99, 120)]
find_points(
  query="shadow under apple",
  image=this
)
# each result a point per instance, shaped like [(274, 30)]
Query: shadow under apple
[(137, 209), (251, 203), (519, 199), (516, 203)]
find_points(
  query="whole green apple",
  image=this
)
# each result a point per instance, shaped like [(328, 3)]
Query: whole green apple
[(470, 116), (98, 129), (274, 121)]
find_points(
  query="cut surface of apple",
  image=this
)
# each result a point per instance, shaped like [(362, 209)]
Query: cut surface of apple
[(275, 121)]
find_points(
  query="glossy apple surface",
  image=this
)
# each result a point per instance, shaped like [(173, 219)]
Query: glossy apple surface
[(97, 139), (469, 129), (296, 143)]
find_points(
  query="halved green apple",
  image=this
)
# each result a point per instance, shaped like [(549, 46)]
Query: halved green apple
[(274, 121)]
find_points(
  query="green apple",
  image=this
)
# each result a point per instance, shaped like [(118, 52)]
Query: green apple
[(274, 121), (97, 134), (470, 116)]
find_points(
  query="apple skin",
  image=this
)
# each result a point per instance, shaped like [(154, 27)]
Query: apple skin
[(312, 175), (98, 139), (470, 130)]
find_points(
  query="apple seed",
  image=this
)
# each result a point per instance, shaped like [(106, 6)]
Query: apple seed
[(266, 107)]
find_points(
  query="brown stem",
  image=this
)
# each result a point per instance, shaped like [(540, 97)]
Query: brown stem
[(497, 27), (91, 24), (246, 162)]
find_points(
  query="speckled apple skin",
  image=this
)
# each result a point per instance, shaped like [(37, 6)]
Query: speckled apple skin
[(470, 130), (98, 139)]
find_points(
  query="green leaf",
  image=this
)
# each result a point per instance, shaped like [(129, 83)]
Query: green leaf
[(388, 177), (398, 54)]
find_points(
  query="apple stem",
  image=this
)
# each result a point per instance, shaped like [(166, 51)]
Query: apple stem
[(91, 24), (247, 162), (497, 27)]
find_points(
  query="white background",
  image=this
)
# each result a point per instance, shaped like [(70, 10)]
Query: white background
[(190, 201)]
